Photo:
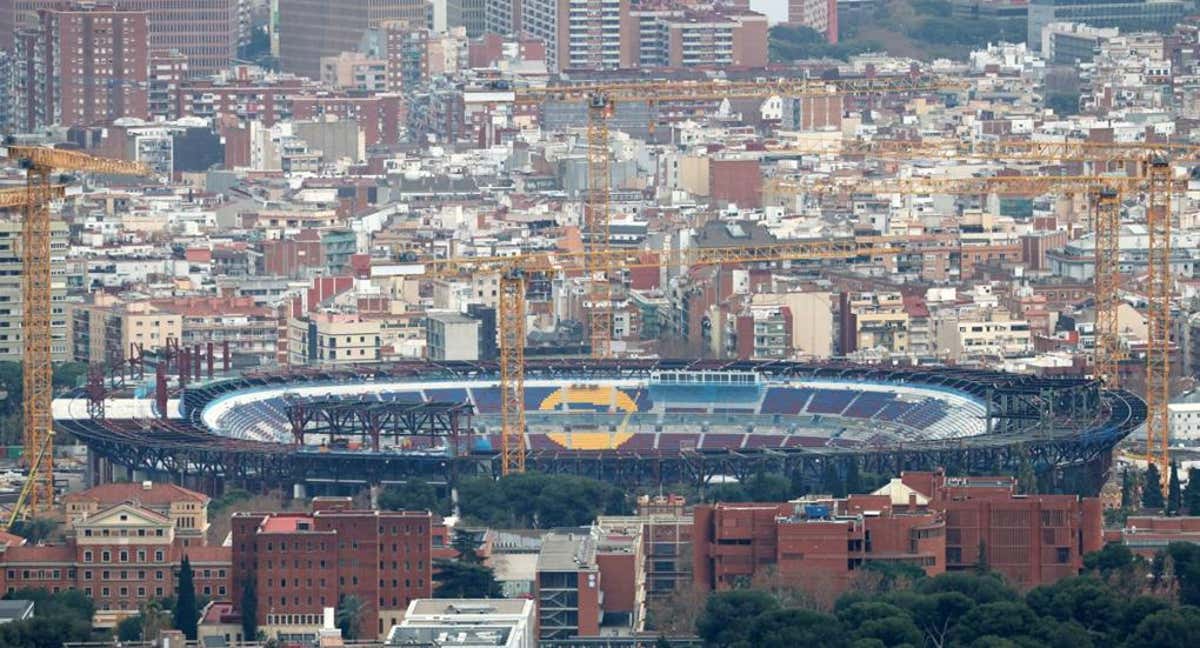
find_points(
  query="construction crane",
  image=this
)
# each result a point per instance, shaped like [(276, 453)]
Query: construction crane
[(1158, 183), (513, 272), (40, 165), (1012, 150), (601, 100)]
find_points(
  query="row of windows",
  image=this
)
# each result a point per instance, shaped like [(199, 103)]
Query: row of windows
[(104, 533), (123, 556)]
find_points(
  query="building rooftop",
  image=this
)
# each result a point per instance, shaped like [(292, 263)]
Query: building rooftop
[(145, 493), (568, 549)]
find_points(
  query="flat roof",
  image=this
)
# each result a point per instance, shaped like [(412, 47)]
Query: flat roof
[(465, 607), (567, 550)]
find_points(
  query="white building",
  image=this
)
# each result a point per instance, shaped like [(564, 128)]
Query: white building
[(497, 623)]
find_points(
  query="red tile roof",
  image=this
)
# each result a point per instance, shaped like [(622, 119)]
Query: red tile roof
[(11, 539), (156, 495), (39, 553)]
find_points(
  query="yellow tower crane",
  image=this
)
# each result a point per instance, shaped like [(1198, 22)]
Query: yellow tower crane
[(1157, 182), (514, 270), (601, 100), (36, 307)]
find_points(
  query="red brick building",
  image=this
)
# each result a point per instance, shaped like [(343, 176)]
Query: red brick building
[(124, 545), (1147, 535), (822, 542), (939, 523), (302, 563), (1031, 540), (82, 66)]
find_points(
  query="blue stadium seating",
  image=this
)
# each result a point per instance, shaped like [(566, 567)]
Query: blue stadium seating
[(784, 400), (867, 404), (830, 401), (487, 400)]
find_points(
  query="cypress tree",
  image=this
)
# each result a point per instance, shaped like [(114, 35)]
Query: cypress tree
[(1191, 494), (186, 615), (249, 605), (1127, 487), (1152, 496), (1174, 492)]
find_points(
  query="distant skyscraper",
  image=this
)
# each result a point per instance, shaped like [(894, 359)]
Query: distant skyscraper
[(310, 29), (582, 34), (206, 31), (81, 67)]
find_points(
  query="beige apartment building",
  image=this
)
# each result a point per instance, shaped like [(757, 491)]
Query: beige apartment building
[(980, 334), (333, 339), (881, 321), (107, 327)]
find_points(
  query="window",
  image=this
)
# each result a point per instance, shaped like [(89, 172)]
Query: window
[(105, 556), (87, 557)]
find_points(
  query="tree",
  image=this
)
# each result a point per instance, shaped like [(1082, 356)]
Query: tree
[(728, 617), (349, 616), (795, 628), (1113, 557), (1174, 492), (35, 530), (1191, 494), (981, 560), (1001, 619), (1127, 489), (662, 642), (130, 628), (461, 579), (768, 488), (249, 608), (853, 479), (1171, 627), (186, 615), (831, 482), (466, 544), (1152, 497), (534, 500), (414, 495)]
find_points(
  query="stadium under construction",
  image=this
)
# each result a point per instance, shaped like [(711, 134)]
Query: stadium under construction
[(632, 422)]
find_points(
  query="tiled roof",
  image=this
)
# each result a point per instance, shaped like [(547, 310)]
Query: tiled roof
[(156, 495)]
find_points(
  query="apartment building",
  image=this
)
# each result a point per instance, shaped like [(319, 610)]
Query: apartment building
[(763, 332), (106, 328), (81, 66), (11, 271), (205, 31), (302, 563), (981, 333), (877, 320), (581, 34), (332, 339), (354, 71), (251, 331), (452, 336)]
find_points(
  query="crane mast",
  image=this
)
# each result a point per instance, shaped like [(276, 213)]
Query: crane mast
[(38, 307)]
